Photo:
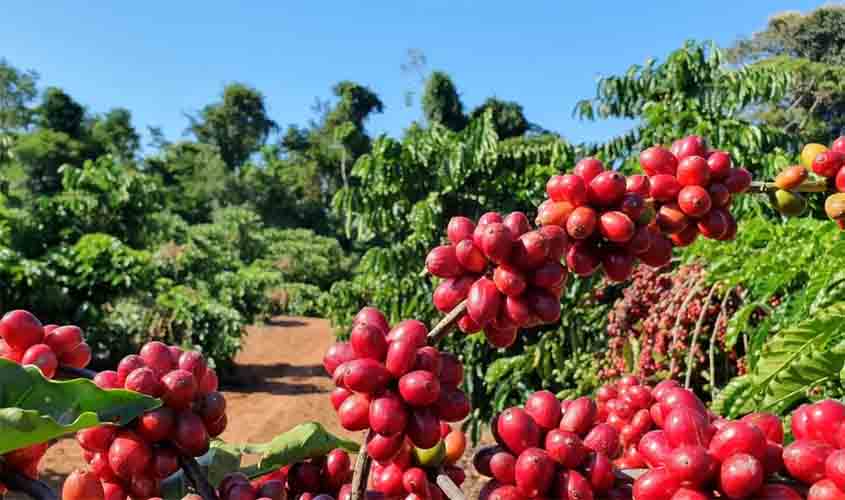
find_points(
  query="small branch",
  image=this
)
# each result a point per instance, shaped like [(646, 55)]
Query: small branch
[(808, 186), (68, 372), (362, 470), (679, 315), (445, 325), (449, 487), (34, 488), (713, 336), (698, 324), (197, 478)]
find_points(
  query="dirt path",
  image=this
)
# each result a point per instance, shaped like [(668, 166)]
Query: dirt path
[(279, 383)]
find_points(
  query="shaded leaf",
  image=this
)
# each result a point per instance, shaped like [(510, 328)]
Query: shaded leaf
[(34, 409)]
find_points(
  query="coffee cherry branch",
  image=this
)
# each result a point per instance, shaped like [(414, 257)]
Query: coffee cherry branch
[(34, 488), (363, 463), (197, 479), (362, 470), (698, 324), (189, 465), (448, 487), (808, 186), (447, 323)]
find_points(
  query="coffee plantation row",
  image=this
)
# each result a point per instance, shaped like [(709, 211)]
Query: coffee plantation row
[(143, 426)]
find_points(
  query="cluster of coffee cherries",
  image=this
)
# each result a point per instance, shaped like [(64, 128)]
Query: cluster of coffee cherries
[(132, 460), (319, 478), (391, 382), (411, 473), (827, 163), (24, 340), (585, 448), (817, 456), (693, 188), (612, 220), (550, 449), (510, 274)]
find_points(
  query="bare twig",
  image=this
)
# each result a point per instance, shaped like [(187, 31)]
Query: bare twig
[(362, 470), (698, 324), (34, 488), (445, 325), (808, 186), (449, 488), (197, 479), (679, 314), (722, 316)]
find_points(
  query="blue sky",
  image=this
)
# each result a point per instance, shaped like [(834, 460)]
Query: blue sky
[(161, 59)]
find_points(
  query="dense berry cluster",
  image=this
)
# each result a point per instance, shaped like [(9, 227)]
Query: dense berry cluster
[(817, 456), (692, 188), (411, 472), (133, 460), (510, 275), (549, 449), (390, 381), (647, 314), (24, 340), (828, 163), (320, 478), (613, 221), (575, 449)]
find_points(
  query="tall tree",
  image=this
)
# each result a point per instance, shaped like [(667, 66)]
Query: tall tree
[(115, 134), (441, 102), (17, 90), (811, 48), (60, 112), (238, 125), (818, 36), (508, 117)]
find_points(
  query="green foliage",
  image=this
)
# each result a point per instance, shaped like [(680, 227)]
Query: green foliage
[(298, 299), (193, 317), (817, 36), (60, 112), (238, 125), (17, 91), (508, 118), (194, 178), (441, 102), (246, 289), (99, 267), (302, 256), (796, 264), (811, 48), (42, 153), (36, 410), (115, 134), (793, 366)]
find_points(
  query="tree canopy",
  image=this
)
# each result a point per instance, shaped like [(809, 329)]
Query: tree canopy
[(238, 125), (441, 102)]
